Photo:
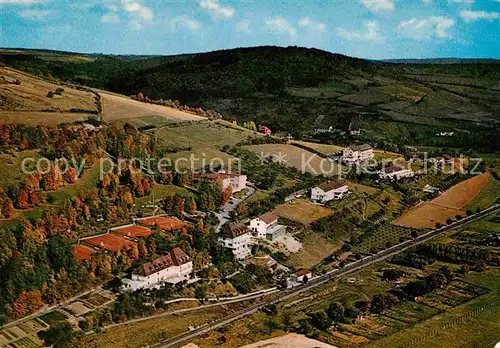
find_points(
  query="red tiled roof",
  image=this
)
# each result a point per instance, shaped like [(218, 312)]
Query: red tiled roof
[(268, 218), (302, 272), (393, 169), (110, 242), (176, 257), (133, 231), (234, 229), (81, 252)]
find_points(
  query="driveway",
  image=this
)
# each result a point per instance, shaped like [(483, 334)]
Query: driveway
[(224, 215)]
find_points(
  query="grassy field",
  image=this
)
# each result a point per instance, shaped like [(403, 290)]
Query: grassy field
[(314, 249), (302, 211), (161, 191), (11, 169), (89, 180), (487, 196), (201, 135), (151, 331), (303, 160), (322, 148), (27, 102), (121, 109)]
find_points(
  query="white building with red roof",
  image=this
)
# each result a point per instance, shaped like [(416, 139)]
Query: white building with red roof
[(237, 182), (172, 268), (266, 226)]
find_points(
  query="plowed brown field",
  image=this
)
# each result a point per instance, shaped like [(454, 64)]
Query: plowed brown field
[(451, 203)]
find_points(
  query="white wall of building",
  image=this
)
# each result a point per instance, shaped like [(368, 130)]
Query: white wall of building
[(173, 274), (238, 245), (405, 173), (320, 196)]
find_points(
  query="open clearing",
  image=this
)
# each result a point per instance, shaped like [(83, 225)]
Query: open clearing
[(314, 249), (322, 148), (120, 109), (150, 332), (451, 203), (289, 341), (27, 102), (303, 160), (302, 211)]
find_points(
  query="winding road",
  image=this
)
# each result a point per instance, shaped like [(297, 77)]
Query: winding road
[(331, 275)]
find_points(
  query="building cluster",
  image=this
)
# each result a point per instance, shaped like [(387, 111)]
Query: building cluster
[(239, 237), (237, 182), (356, 154), (172, 268)]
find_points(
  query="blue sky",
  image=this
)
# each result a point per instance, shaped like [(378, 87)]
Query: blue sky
[(374, 29)]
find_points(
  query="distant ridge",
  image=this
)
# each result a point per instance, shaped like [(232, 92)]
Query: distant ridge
[(442, 61)]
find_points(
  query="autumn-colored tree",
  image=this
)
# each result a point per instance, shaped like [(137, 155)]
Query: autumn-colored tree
[(23, 145), (53, 179), (34, 198), (152, 246), (191, 205), (70, 175), (143, 251), (22, 199), (168, 204), (226, 195), (7, 245), (8, 208), (27, 302)]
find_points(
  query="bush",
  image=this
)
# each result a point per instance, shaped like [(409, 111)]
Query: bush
[(50, 94), (59, 90)]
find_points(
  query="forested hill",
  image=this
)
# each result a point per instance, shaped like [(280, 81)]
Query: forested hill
[(298, 90)]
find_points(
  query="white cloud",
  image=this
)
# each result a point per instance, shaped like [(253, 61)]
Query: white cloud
[(243, 26), (308, 23), (218, 10), (35, 14), (468, 2), (281, 26), (110, 17), (471, 16), (136, 24), (21, 2), (112, 8), (371, 33), (135, 7), (379, 5), (426, 28), (184, 22)]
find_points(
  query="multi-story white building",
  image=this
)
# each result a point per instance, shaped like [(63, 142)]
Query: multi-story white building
[(236, 236), (357, 153), (395, 173), (237, 182), (266, 227), (329, 190), (172, 268)]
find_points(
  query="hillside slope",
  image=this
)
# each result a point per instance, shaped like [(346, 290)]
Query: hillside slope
[(298, 90)]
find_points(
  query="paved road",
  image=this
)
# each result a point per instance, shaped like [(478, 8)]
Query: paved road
[(334, 274), (229, 207)]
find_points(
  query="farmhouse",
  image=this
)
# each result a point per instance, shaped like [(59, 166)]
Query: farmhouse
[(264, 130), (172, 268), (395, 173), (236, 237), (237, 182), (301, 276), (266, 226), (357, 153), (329, 190)]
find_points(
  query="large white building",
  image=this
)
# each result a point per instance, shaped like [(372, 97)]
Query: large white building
[(357, 153), (236, 236), (395, 173), (237, 182), (172, 268), (329, 190), (266, 227)]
